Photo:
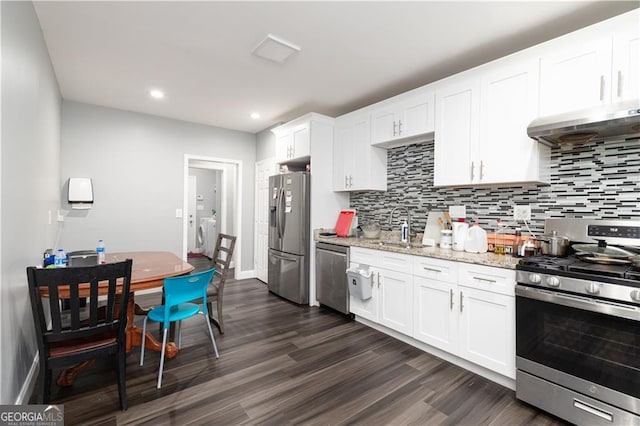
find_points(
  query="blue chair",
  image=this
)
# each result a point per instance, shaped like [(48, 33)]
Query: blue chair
[(178, 292)]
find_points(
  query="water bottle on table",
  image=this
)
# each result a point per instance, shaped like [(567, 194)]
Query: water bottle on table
[(101, 252)]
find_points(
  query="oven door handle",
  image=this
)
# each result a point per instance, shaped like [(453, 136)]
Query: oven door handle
[(584, 303)]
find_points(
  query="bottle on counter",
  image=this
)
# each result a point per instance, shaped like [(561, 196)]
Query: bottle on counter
[(404, 232), (101, 252), (60, 260), (516, 248)]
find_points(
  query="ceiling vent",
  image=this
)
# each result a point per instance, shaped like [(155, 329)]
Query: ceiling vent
[(275, 49)]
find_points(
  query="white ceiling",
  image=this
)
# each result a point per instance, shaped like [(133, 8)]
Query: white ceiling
[(353, 53)]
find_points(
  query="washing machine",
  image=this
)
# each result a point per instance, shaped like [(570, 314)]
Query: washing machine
[(207, 236)]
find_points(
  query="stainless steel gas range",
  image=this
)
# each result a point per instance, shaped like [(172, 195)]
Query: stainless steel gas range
[(578, 325)]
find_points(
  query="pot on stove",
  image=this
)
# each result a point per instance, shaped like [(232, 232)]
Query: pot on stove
[(553, 244)]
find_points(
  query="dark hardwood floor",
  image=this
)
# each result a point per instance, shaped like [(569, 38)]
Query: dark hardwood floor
[(282, 364)]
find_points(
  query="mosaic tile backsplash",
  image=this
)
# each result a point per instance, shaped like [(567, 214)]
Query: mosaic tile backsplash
[(593, 180)]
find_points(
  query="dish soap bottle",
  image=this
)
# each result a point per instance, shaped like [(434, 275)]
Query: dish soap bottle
[(404, 232)]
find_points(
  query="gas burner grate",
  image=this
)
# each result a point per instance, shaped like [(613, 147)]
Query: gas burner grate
[(547, 262)]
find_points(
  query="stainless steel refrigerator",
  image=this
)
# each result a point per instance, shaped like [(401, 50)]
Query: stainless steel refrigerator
[(288, 269)]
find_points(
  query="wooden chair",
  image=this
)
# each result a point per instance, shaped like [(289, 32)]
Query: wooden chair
[(80, 334), (222, 254)]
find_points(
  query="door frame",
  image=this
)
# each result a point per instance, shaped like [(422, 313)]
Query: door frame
[(269, 164), (237, 203)]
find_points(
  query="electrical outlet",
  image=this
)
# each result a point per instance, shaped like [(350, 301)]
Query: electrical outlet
[(522, 212), (458, 211)]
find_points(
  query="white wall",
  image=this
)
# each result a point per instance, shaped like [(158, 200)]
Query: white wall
[(266, 144), (136, 162), (30, 181)]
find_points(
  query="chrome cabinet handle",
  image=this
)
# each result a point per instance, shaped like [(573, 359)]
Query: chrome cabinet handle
[(461, 306), (451, 300), (472, 166), (485, 280), (394, 128), (350, 181), (602, 87), (346, 181), (619, 83), (379, 279), (431, 269), (399, 127), (481, 169)]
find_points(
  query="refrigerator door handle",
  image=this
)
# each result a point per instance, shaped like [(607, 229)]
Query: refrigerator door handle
[(281, 205)]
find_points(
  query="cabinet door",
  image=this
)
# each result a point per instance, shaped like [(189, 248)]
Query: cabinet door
[(367, 309), (509, 102), (301, 142), (487, 332), (416, 116), (626, 65), (396, 300), (383, 125), (283, 147), (343, 153), (435, 313), (575, 74), (457, 132)]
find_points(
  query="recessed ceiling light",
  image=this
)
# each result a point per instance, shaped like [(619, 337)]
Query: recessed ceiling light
[(255, 115), (275, 49), (156, 94)]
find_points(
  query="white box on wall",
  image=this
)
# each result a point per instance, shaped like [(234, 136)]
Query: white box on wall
[(80, 193)]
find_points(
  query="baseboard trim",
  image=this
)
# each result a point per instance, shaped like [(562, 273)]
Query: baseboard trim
[(29, 382), (243, 275)]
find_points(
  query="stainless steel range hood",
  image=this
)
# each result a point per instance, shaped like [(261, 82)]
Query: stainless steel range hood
[(615, 121)]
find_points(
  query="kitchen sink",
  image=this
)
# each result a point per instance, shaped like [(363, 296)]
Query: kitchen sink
[(396, 244)]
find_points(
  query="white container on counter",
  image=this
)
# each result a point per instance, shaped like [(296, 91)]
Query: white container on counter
[(446, 239), (476, 241), (459, 235)]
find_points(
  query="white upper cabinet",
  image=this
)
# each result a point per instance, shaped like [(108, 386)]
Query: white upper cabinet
[(481, 126), (508, 103), (357, 166), (591, 67), (626, 63), (293, 139), (403, 120), (575, 74), (456, 131)]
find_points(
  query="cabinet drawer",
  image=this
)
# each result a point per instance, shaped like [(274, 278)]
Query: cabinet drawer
[(395, 261), (441, 270), (365, 256), (488, 278)]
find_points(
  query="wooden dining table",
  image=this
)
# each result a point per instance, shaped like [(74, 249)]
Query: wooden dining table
[(148, 271)]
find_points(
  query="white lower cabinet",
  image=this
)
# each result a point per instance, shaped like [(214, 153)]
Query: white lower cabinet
[(396, 295), (464, 309), (487, 330), (435, 320), (392, 291)]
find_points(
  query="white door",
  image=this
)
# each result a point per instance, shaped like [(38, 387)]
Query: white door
[(509, 103), (575, 76), (435, 313), (457, 133), (192, 229), (264, 169), (396, 300), (487, 332)]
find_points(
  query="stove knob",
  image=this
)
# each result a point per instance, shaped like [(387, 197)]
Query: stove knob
[(553, 281), (635, 295), (592, 288), (535, 278)]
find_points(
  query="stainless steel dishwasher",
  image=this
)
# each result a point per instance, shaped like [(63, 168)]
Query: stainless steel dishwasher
[(332, 287)]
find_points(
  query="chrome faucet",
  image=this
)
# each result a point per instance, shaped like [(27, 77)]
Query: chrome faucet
[(406, 209)]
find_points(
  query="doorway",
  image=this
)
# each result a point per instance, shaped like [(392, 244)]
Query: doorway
[(212, 188)]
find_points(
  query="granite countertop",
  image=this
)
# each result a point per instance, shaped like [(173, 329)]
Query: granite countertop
[(388, 243)]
